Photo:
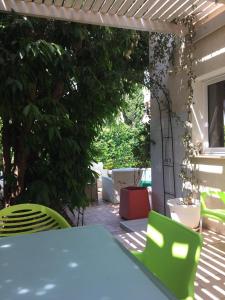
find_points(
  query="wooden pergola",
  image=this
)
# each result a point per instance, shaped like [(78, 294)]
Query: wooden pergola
[(147, 15)]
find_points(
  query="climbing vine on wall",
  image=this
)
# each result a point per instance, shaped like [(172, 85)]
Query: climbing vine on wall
[(187, 63), (163, 51)]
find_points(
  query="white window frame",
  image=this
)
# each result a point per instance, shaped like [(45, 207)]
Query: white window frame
[(205, 83)]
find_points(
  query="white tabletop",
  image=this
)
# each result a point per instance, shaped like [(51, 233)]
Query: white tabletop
[(77, 263)]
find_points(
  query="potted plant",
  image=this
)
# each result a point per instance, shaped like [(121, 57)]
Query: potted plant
[(187, 214), (186, 209)]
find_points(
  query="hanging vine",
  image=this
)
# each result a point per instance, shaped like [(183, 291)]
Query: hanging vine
[(187, 62), (162, 49)]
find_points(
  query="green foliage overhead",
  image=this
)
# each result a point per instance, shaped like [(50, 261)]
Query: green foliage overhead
[(58, 83)]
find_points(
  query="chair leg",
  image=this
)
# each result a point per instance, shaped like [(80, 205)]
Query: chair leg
[(83, 218), (78, 217), (200, 225), (80, 212)]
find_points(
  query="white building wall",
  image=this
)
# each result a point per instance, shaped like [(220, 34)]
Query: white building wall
[(177, 90), (210, 53), (156, 160)]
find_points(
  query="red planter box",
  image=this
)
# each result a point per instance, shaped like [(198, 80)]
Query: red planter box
[(134, 203)]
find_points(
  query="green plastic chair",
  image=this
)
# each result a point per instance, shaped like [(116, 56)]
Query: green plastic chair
[(172, 252), (29, 218), (215, 213)]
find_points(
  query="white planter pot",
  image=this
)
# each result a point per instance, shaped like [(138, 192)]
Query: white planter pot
[(189, 215)]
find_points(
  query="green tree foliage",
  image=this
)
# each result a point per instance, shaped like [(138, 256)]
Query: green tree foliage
[(141, 148), (114, 146), (133, 107), (58, 82), (126, 141)]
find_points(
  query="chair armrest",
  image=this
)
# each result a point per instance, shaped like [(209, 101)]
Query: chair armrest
[(204, 195), (214, 212)]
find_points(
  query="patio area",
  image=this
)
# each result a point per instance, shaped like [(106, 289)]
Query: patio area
[(45, 146), (210, 278)]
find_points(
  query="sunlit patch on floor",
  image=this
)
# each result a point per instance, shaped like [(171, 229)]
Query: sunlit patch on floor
[(210, 277)]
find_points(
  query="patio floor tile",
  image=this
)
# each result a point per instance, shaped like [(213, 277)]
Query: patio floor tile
[(210, 278)]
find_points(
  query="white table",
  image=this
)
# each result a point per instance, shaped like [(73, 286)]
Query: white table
[(84, 263)]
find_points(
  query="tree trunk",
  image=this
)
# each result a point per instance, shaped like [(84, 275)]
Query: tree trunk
[(20, 165), (6, 160)]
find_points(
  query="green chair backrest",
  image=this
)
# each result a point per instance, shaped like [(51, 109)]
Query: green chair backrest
[(172, 252), (29, 218), (205, 195)]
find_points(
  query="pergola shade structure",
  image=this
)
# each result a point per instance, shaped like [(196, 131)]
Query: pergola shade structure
[(148, 15)]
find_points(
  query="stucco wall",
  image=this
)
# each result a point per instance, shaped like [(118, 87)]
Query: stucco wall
[(177, 88), (210, 53)]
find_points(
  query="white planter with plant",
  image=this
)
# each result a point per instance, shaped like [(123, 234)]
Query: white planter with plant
[(189, 215)]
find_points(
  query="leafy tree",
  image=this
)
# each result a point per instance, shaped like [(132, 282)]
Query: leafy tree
[(59, 82), (141, 147), (114, 146), (126, 141), (133, 107)]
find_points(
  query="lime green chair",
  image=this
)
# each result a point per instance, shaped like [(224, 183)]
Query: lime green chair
[(29, 218), (172, 252), (214, 213)]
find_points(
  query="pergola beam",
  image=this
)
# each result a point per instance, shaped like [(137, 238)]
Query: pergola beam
[(88, 17), (214, 21)]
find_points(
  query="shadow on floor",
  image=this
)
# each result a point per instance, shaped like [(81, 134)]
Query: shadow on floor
[(210, 278)]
